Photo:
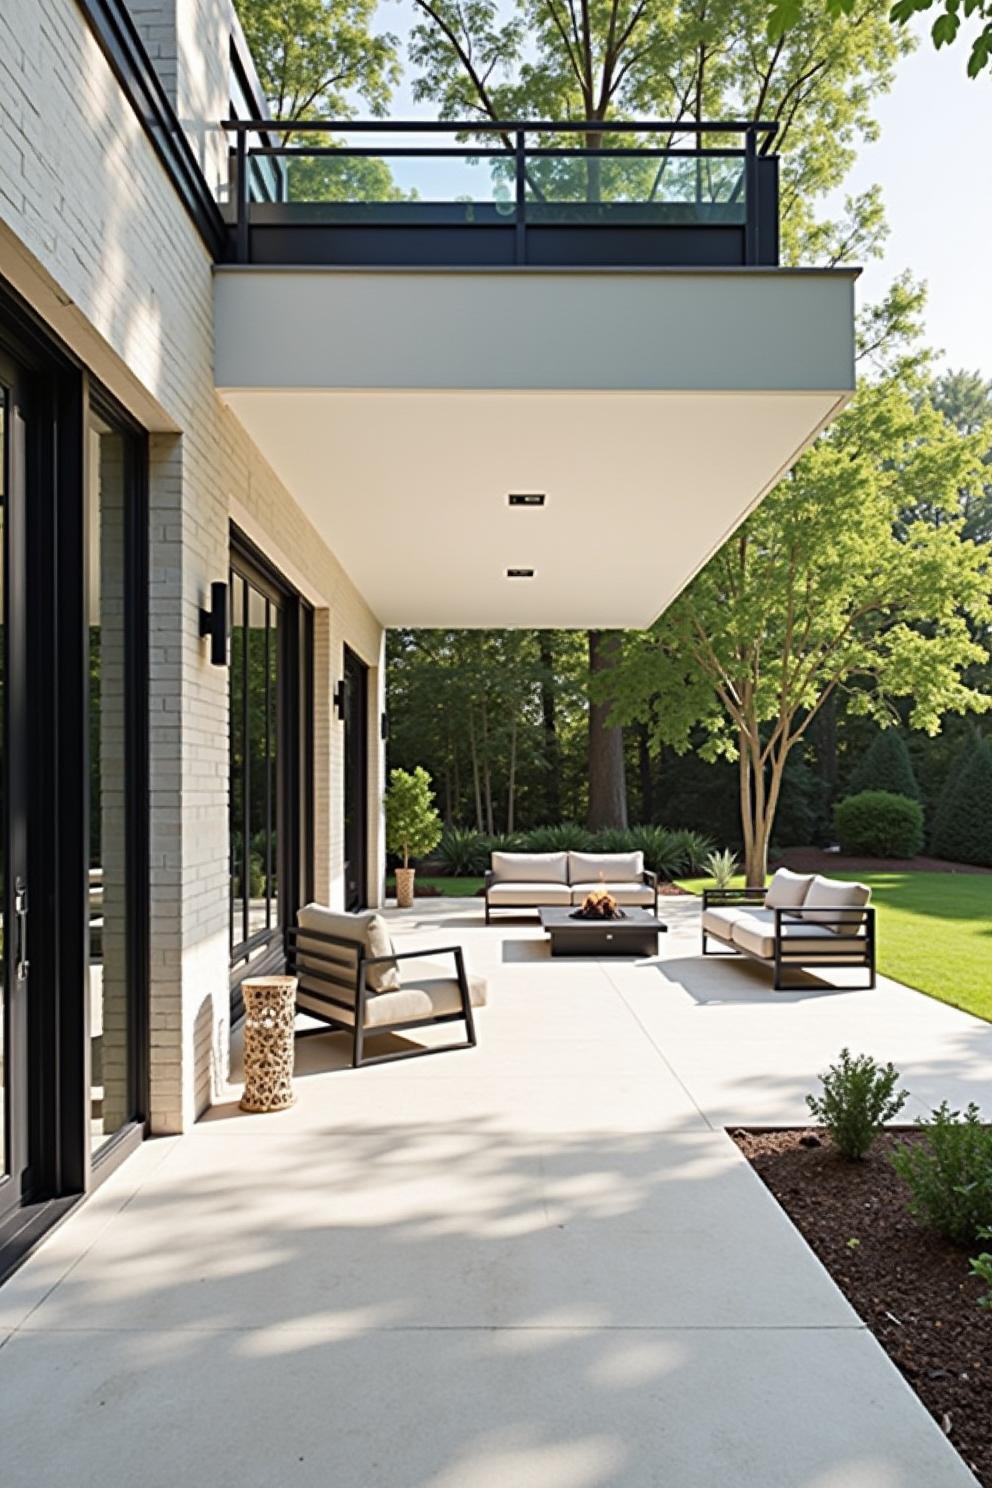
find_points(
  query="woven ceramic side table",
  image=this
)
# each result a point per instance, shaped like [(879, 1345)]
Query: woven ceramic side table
[(270, 1008)]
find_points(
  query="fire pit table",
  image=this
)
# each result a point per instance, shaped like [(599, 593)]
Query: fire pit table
[(636, 934)]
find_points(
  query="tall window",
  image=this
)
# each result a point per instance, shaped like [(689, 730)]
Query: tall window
[(255, 752)]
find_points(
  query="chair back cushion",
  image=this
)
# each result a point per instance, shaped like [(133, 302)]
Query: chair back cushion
[(787, 890), (368, 929), (587, 867), (834, 893), (542, 868)]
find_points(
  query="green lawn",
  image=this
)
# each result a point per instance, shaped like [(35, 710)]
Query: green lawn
[(454, 888), (934, 933)]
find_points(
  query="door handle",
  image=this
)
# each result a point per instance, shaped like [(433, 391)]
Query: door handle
[(21, 963)]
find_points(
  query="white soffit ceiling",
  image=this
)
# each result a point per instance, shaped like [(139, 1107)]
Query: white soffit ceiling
[(409, 489)]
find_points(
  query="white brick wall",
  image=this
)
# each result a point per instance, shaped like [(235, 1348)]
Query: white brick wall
[(92, 233)]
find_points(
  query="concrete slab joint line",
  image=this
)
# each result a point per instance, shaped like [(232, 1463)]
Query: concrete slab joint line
[(606, 1292)]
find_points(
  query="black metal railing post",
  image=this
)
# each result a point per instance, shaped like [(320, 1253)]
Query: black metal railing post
[(750, 196), (521, 190), (241, 220)]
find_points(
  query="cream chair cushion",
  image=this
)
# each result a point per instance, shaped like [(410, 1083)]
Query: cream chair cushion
[(530, 868), (720, 922), (368, 928), (787, 890), (527, 895), (626, 891), (755, 932), (431, 992), (586, 868)]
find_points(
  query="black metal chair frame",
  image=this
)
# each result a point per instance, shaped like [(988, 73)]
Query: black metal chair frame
[(363, 992), (647, 877), (859, 919)]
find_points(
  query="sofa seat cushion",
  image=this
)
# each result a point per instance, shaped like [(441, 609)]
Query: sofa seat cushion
[(431, 993), (720, 922), (624, 892), (754, 931), (540, 868), (787, 890), (368, 929), (605, 868), (527, 895)]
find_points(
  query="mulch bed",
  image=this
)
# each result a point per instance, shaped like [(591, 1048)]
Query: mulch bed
[(911, 1287), (815, 860)]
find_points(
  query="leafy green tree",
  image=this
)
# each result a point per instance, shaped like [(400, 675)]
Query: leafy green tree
[(886, 766), (821, 592), (413, 827), (962, 829), (783, 15), (315, 60), (687, 61)]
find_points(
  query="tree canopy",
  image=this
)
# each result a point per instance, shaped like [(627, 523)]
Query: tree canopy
[(945, 29), (824, 590)]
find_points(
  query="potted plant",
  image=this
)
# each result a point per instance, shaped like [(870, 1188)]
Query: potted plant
[(413, 826)]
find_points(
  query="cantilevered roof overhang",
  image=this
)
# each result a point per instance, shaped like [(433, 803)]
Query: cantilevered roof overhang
[(651, 408)]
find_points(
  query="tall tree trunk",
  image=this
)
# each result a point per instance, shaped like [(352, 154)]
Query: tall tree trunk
[(487, 773), (759, 803), (549, 728), (646, 773), (476, 783), (512, 780), (607, 774)]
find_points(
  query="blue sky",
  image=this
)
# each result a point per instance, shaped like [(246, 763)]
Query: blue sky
[(934, 163)]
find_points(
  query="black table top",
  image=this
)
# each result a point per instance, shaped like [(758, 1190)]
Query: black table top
[(558, 916)]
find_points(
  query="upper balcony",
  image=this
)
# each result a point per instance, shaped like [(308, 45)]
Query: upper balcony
[(474, 195)]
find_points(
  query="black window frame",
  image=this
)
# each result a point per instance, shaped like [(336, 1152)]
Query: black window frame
[(265, 952)]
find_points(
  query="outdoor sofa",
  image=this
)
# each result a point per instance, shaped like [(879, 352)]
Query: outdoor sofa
[(530, 880), (351, 977), (800, 920)]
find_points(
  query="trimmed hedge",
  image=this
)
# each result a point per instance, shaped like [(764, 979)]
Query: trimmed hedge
[(962, 827), (880, 824), (886, 766), (668, 852)]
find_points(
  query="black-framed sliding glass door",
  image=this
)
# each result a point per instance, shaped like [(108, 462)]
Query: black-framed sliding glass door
[(356, 780), (73, 781), (14, 967), (271, 734)]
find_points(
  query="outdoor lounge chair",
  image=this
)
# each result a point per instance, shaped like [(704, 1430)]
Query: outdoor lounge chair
[(800, 921), (534, 880), (349, 977)]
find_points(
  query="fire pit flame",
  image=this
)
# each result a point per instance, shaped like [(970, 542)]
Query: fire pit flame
[(599, 905)]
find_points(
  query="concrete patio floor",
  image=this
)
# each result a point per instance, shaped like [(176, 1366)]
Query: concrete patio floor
[(538, 1264)]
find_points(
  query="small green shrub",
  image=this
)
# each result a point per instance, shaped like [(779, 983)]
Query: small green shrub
[(691, 848), (460, 853), (859, 1096), (564, 837), (722, 867), (880, 824), (981, 1266), (948, 1171)]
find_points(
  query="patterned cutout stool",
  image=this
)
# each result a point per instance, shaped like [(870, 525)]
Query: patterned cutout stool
[(270, 1009)]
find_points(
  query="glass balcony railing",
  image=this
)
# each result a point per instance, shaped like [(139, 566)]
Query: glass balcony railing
[(535, 193)]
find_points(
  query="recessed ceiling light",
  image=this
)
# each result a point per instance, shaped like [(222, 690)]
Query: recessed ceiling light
[(519, 573), (526, 498)]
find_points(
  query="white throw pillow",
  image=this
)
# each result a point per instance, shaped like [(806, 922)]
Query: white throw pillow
[(834, 893), (787, 890), (598, 867), (542, 868)]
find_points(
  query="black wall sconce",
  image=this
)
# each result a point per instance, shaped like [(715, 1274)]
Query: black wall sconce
[(384, 726), (341, 698), (213, 623)]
